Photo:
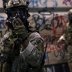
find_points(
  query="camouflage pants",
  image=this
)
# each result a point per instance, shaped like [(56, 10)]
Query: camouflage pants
[(20, 65)]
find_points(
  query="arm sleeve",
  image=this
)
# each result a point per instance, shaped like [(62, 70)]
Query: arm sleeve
[(36, 56)]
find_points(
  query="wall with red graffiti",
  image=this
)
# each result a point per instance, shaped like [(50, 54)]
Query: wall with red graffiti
[(50, 3), (51, 29)]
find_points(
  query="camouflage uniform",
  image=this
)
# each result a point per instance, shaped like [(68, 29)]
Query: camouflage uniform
[(20, 8), (11, 43), (31, 58), (68, 32)]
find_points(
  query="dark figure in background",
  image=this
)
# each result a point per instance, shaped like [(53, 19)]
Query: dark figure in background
[(68, 32), (67, 39), (67, 36)]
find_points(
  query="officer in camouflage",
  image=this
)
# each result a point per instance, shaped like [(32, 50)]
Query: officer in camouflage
[(18, 8), (67, 36), (31, 58), (69, 29), (11, 42), (23, 50)]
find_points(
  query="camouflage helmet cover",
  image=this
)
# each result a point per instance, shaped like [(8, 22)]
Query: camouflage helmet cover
[(12, 3)]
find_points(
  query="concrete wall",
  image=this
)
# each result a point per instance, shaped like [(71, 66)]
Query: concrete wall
[(1, 4)]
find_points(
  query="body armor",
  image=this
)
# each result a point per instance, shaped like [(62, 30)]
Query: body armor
[(18, 32), (30, 59), (11, 43)]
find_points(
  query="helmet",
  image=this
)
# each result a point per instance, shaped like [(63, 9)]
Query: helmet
[(13, 3)]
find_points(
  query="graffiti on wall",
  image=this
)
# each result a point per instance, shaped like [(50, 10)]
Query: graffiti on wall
[(59, 51), (33, 3), (54, 27), (50, 3), (67, 1), (42, 3), (55, 3)]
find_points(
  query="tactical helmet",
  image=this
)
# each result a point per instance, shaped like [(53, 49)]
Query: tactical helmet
[(13, 3)]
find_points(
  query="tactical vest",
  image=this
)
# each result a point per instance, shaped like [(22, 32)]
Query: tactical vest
[(17, 35), (33, 54), (30, 60)]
